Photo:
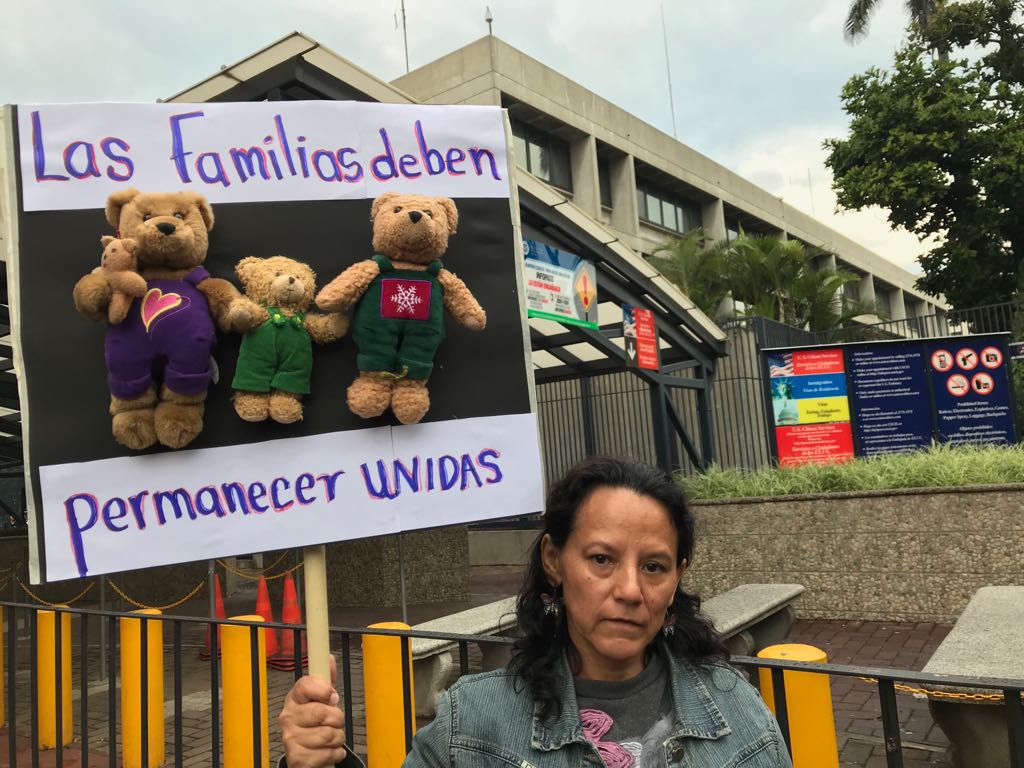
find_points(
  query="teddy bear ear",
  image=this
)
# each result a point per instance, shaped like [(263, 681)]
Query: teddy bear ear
[(130, 244), (106, 240), (205, 209), (382, 201), (116, 202), (245, 268), (452, 212)]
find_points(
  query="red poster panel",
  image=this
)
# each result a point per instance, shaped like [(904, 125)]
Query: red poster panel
[(814, 443), (646, 339), (818, 361)]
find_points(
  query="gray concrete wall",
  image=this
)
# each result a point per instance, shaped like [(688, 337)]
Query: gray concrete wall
[(511, 547), (885, 556)]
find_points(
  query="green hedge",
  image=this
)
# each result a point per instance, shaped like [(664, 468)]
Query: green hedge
[(939, 467)]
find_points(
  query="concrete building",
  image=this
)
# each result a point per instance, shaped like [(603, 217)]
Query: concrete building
[(640, 183)]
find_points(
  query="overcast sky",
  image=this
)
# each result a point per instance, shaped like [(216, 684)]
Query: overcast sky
[(756, 82)]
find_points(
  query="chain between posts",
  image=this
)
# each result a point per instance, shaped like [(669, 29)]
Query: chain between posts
[(62, 604), (251, 577), (996, 697), (175, 604)]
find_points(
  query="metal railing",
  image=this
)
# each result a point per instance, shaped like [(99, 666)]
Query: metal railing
[(25, 616)]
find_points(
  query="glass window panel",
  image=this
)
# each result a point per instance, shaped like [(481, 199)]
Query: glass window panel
[(604, 183), (519, 144), (539, 161), (690, 217), (559, 166), (653, 208), (641, 203), (669, 215)]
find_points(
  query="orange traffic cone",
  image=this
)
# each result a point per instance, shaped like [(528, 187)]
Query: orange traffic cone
[(290, 614), (218, 611), (263, 609)]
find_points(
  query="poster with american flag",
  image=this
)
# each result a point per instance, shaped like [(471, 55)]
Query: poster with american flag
[(780, 364)]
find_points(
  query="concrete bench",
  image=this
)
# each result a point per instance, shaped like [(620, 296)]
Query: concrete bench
[(986, 641), (432, 658), (749, 618)]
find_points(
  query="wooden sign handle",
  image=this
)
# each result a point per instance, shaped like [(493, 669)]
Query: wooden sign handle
[(317, 635)]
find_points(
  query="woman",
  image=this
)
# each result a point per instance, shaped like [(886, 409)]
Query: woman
[(615, 663)]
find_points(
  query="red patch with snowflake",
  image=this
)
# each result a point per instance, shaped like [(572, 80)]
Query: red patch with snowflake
[(404, 299)]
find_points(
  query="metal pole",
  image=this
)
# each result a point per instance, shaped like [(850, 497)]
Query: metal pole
[(210, 573), (103, 629), (405, 38), (668, 71), (401, 577)]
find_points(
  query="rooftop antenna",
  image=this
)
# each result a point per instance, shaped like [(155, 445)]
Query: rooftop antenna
[(668, 71), (405, 38), (488, 18)]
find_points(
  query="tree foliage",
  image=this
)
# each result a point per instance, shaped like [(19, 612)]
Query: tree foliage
[(765, 275), (939, 142)]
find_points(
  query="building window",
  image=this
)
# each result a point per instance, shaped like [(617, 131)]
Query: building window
[(543, 155), (604, 181), (883, 298), (665, 210), (851, 291)]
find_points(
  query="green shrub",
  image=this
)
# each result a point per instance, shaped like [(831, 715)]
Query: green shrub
[(938, 467)]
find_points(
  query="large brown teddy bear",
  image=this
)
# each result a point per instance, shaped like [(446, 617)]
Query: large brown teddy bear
[(158, 357), (276, 358), (400, 296)]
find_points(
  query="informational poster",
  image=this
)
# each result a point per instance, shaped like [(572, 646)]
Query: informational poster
[(641, 337), (560, 286), (810, 406), (889, 388), (972, 390), (898, 396), (292, 178)]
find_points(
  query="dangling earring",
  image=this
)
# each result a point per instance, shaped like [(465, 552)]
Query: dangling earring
[(669, 627), (552, 604)]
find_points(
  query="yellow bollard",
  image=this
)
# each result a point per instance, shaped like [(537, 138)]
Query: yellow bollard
[(237, 670), (382, 683), (812, 726), (46, 682), (3, 673), (131, 690)]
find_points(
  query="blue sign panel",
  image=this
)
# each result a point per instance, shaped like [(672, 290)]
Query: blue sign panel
[(824, 385), (889, 385), (972, 390)]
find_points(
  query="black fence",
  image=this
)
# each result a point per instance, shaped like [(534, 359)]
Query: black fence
[(22, 651), (612, 413)]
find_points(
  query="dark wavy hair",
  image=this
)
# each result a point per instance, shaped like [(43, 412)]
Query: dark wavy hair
[(537, 653)]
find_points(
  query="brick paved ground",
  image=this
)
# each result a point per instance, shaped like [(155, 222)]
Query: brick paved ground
[(855, 703), (858, 722)]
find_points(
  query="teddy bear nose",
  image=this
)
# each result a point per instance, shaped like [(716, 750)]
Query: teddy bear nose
[(291, 280), (166, 228), (415, 216)]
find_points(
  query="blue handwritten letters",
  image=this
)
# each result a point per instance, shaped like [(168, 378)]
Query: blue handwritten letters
[(281, 154), (383, 480)]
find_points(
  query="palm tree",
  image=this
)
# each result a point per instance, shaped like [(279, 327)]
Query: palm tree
[(762, 270), (821, 304), (856, 27), (697, 268)]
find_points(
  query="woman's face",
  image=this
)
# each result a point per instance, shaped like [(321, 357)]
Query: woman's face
[(618, 572)]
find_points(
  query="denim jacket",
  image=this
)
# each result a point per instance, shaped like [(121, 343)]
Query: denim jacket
[(490, 720)]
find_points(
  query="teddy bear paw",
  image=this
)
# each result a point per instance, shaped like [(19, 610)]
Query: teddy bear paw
[(285, 408), (178, 424), (134, 429), (244, 314), (369, 395), (410, 401), (252, 406)]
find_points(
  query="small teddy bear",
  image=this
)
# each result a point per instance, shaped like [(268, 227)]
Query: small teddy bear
[(400, 296), (276, 358), (120, 266)]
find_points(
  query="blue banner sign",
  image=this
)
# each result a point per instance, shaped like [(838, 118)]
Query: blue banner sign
[(890, 397), (972, 390)]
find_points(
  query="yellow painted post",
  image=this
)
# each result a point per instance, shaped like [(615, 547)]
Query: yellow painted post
[(237, 667), (3, 673), (382, 682), (46, 682), (131, 690), (812, 726)]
